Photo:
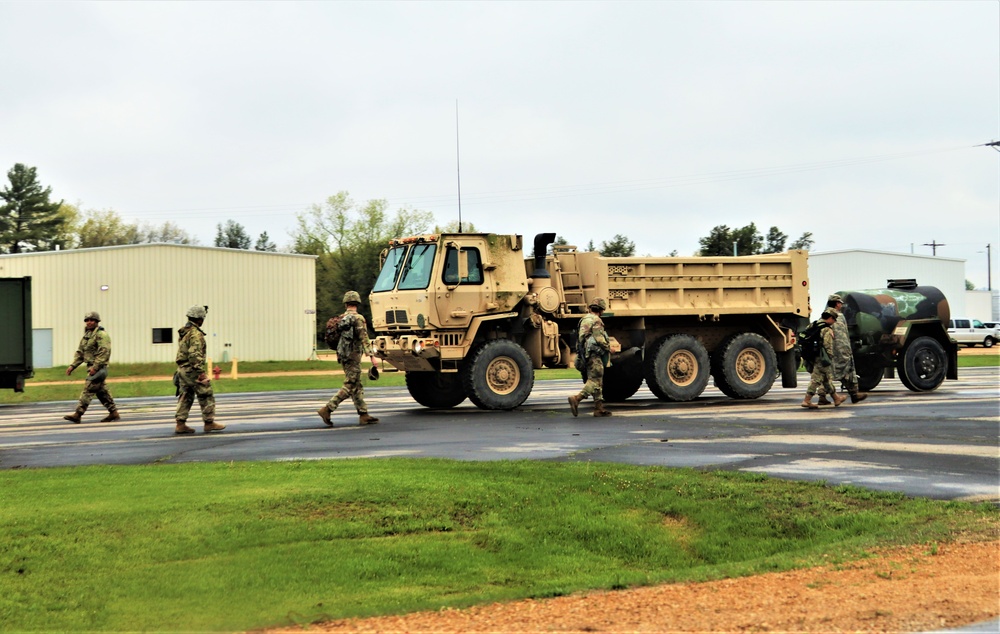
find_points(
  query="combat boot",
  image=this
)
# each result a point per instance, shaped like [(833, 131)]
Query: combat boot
[(324, 413), (599, 409), (574, 404), (367, 420), (182, 428), (111, 417), (857, 397), (211, 426), (807, 402), (838, 399), (823, 400), (74, 417)]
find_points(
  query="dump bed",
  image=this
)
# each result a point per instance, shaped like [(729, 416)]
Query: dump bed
[(690, 286)]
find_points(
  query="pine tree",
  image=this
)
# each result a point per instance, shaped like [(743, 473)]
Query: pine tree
[(29, 221)]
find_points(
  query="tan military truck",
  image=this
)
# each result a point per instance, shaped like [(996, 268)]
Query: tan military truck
[(471, 315)]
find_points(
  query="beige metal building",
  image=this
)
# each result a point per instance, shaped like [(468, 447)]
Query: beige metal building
[(261, 306)]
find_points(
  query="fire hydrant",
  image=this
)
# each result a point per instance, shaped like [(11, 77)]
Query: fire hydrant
[(216, 372)]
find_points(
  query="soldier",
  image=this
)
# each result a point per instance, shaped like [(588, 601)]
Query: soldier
[(822, 372), (351, 341), (595, 346), (191, 377), (95, 351), (843, 356)]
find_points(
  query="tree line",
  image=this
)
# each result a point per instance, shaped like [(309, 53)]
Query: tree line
[(346, 237)]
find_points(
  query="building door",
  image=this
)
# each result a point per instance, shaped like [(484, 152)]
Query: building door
[(41, 347)]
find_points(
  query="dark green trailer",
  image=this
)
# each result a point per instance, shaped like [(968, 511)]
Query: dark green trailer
[(15, 332)]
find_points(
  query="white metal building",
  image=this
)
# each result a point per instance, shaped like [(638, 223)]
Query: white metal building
[(261, 306), (860, 269)]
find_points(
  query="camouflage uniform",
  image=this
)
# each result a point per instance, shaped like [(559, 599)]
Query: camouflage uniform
[(596, 346), (191, 366), (843, 356), (823, 372), (355, 343), (95, 351)]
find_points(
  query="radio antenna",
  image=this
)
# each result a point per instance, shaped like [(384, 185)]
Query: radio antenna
[(458, 169)]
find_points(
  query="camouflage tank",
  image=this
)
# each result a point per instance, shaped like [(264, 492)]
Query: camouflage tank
[(902, 329)]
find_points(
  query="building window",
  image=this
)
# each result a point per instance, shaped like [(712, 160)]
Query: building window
[(163, 335)]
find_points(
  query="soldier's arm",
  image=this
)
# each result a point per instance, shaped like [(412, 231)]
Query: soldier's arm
[(600, 336), (77, 359), (196, 354)]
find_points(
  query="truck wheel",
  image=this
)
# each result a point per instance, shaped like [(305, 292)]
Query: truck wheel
[(435, 390), (869, 378), (922, 365), (621, 382), (678, 369), (744, 366), (988, 342), (498, 375)]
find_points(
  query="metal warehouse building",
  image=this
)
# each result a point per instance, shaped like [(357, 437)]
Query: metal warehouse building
[(261, 305), (860, 269)]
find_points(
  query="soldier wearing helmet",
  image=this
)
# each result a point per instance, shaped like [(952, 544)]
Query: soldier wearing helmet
[(593, 345), (351, 340), (191, 377), (95, 351)]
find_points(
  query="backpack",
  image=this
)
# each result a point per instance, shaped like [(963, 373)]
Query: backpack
[(332, 337), (345, 327), (811, 342)]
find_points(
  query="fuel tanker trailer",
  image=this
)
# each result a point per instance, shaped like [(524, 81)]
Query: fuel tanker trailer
[(472, 315), (901, 329)]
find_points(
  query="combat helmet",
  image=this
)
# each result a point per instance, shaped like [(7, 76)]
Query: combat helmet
[(197, 312), (92, 315), (835, 298), (352, 297), (598, 302)]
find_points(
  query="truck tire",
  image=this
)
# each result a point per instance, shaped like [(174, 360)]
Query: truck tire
[(744, 366), (869, 378), (621, 382), (435, 390), (922, 365), (498, 375), (988, 342), (678, 369)]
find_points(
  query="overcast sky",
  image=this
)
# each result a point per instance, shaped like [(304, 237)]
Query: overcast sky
[(856, 121)]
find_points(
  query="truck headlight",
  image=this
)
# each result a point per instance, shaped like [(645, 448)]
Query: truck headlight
[(418, 347)]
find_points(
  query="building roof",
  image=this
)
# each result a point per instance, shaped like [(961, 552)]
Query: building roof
[(147, 245), (889, 253)]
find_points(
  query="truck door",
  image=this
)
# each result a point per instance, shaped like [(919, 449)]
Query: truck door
[(461, 289)]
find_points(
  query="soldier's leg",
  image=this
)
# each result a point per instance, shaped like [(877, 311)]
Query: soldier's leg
[(184, 402), (206, 401)]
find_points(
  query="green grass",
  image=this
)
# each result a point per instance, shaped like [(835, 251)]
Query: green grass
[(237, 546)]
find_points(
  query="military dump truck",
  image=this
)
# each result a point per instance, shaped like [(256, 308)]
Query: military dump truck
[(470, 315), (901, 329), (15, 334)]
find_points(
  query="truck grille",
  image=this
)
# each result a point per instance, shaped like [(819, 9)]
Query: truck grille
[(450, 338), (395, 317)]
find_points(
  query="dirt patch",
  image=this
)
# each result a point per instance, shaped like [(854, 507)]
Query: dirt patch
[(910, 589)]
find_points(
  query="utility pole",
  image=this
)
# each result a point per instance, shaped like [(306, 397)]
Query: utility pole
[(934, 244), (989, 277)]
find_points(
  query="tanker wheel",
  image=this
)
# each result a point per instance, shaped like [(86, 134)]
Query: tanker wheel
[(744, 366), (678, 369), (621, 382), (435, 390), (922, 365), (498, 375), (869, 378)]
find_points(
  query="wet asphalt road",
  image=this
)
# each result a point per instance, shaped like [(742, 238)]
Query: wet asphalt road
[(943, 444)]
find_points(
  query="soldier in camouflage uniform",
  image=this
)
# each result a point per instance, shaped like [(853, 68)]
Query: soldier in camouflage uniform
[(843, 356), (596, 345), (822, 372), (95, 351), (352, 342), (191, 377)]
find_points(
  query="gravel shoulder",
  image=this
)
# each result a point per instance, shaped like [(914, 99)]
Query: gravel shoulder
[(912, 589)]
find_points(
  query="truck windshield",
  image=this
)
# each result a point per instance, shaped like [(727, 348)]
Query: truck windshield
[(390, 270), (417, 271)]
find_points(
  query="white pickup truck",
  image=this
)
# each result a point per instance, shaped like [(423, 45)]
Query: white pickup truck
[(972, 332)]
